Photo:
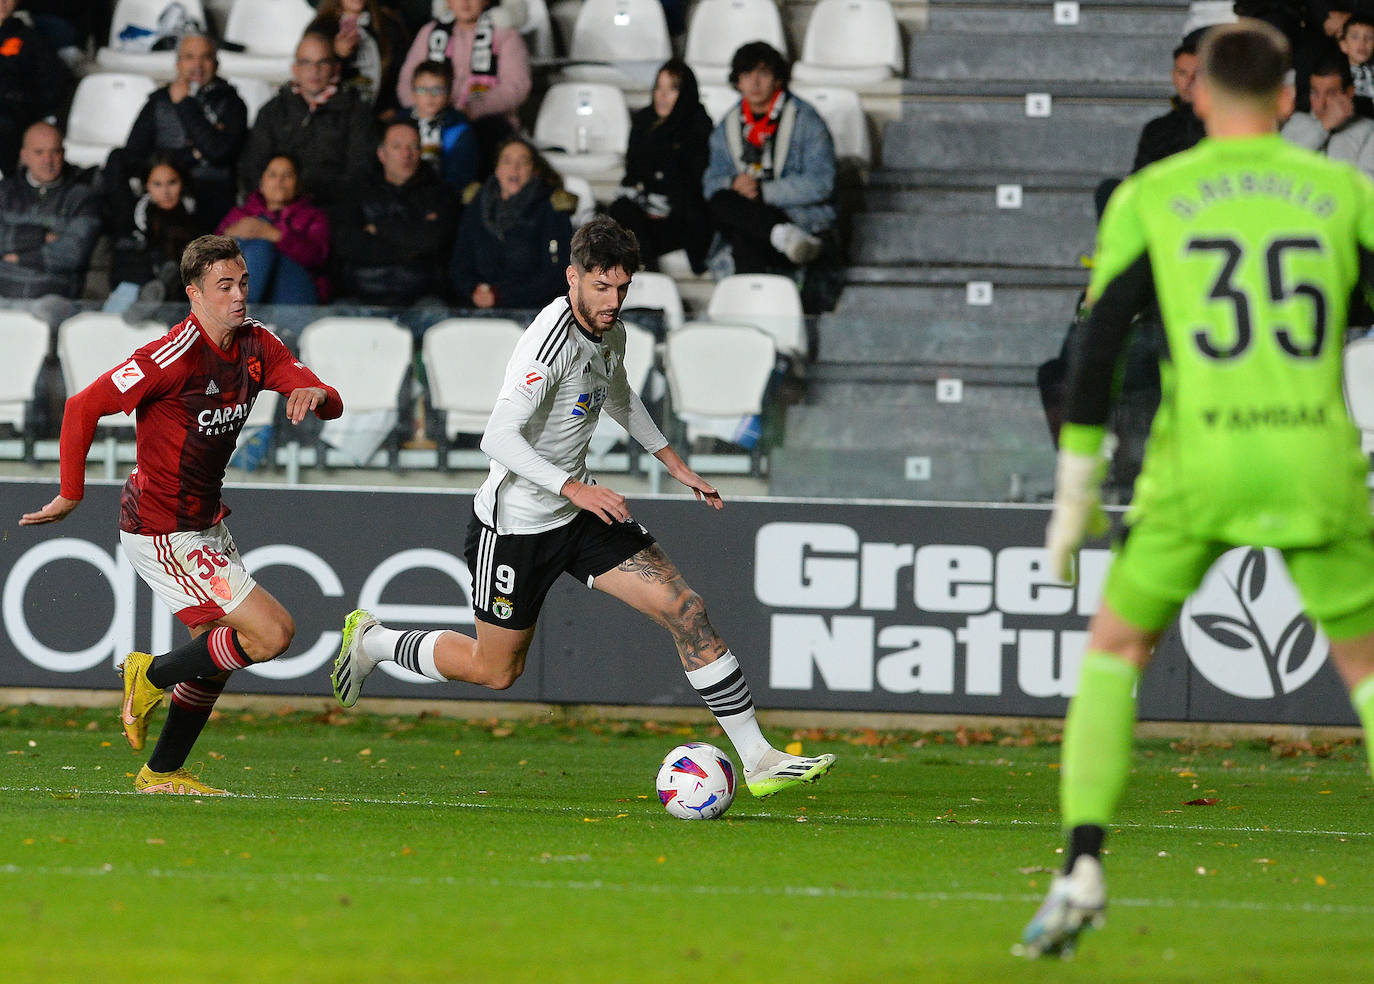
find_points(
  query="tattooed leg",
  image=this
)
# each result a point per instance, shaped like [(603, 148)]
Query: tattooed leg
[(650, 583)]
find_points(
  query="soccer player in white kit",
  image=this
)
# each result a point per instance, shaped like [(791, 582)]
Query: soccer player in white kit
[(540, 514)]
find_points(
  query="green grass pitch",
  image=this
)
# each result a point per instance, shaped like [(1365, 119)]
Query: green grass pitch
[(383, 849)]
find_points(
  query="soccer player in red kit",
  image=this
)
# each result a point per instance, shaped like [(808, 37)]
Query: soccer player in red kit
[(192, 390)]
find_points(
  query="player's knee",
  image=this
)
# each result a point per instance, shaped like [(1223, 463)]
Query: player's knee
[(270, 640)]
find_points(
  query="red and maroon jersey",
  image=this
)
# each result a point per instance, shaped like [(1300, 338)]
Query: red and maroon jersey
[(191, 398)]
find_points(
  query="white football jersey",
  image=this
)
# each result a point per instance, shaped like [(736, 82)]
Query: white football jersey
[(557, 383)]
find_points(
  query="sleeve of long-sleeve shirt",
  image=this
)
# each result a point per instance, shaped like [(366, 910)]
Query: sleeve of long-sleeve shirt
[(80, 417), (528, 384), (284, 373), (629, 411)]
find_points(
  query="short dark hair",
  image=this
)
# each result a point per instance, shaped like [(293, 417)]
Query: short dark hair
[(1248, 58), (443, 69), (388, 127), (757, 54), (1188, 46), (1334, 63), (1359, 17), (602, 243), (204, 252)]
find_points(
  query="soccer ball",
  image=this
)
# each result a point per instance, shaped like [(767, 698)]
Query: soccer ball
[(696, 782)]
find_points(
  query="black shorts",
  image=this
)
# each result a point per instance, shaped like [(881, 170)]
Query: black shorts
[(513, 572)]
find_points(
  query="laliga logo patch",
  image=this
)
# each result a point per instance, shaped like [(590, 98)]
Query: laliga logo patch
[(126, 376), (1244, 629), (502, 608), (526, 385)]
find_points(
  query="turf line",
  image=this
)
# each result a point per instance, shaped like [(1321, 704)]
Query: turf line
[(1048, 823), (653, 888)]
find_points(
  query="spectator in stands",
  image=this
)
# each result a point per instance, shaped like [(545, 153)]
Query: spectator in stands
[(327, 130), (284, 238), (200, 122), (660, 198), (49, 221), (394, 232), (369, 41), (34, 84), (69, 24), (491, 69), (512, 248), (448, 142), (1357, 44), (149, 237), (1332, 127), (1323, 22), (770, 183), (1179, 128)]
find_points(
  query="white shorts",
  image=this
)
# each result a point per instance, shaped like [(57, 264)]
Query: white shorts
[(197, 573)]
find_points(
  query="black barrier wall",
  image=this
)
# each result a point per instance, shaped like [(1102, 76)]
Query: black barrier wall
[(837, 606)]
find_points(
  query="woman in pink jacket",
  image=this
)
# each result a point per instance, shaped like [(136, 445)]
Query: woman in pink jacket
[(284, 238), (491, 70)]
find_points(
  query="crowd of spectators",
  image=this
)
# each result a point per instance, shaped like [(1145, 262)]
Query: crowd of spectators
[(392, 168)]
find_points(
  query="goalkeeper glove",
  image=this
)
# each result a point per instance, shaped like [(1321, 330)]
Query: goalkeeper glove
[(1077, 511)]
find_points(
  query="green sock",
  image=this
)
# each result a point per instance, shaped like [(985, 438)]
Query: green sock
[(1097, 740), (1362, 697)]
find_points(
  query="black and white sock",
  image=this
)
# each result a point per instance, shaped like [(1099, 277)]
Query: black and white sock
[(722, 685), (412, 649)]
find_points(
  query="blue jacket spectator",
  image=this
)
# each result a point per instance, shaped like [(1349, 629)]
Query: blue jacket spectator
[(770, 182), (49, 221), (448, 141)]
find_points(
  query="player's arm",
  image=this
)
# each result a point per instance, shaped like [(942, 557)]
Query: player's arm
[(1122, 286), (304, 391), (628, 410), (80, 417)]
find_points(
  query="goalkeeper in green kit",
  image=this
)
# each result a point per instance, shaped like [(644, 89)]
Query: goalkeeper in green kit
[(1252, 247)]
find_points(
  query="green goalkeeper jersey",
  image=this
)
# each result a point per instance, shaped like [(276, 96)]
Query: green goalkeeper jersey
[(1252, 248)]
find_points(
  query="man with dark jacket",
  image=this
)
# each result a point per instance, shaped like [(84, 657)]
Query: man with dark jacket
[(48, 221), (34, 84), (392, 234), (1179, 128), (326, 130), (200, 121)]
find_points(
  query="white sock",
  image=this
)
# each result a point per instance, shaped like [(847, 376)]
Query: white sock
[(722, 685), (411, 649), (777, 236)]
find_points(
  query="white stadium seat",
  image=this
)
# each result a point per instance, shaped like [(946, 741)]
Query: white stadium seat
[(616, 32), (130, 29), (718, 375), (269, 31), (366, 360), (465, 365), (720, 27), (24, 340), (852, 43), (581, 188), (656, 291), (95, 342), (254, 92), (843, 113), (768, 302), (103, 112), (718, 100), (583, 128)]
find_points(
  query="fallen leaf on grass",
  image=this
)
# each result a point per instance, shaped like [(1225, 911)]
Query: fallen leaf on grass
[(1204, 801)]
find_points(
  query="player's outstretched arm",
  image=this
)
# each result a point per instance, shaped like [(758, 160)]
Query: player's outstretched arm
[(606, 504), (702, 489), (51, 513)]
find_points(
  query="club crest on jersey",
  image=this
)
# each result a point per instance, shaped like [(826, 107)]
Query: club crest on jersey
[(126, 376), (255, 368), (502, 608)]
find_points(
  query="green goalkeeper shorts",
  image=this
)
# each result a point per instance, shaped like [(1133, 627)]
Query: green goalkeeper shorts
[(1159, 566)]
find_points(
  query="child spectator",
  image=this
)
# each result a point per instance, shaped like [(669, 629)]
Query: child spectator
[(1357, 43), (448, 142), (491, 69), (150, 237), (284, 238), (660, 198)]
